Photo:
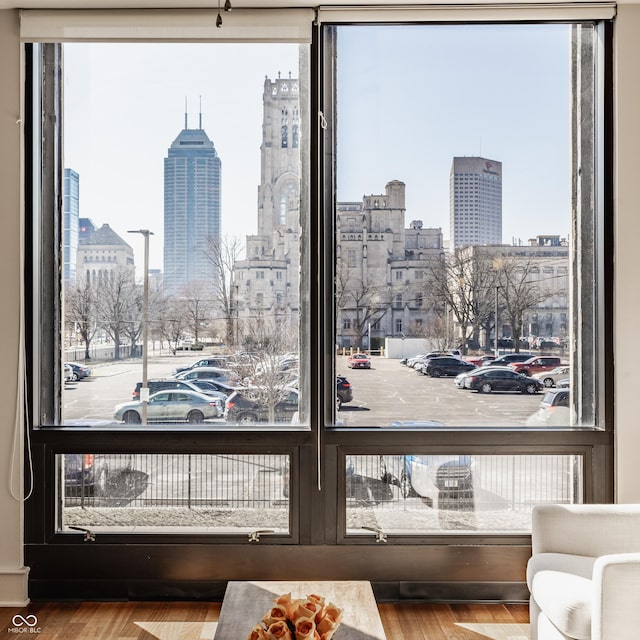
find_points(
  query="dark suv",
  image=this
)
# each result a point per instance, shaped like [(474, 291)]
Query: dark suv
[(110, 477), (442, 481), (248, 406), (445, 366), (344, 391)]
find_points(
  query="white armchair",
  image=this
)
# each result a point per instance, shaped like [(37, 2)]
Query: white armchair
[(584, 572)]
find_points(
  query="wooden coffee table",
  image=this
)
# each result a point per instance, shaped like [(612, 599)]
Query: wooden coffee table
[(245, 603)]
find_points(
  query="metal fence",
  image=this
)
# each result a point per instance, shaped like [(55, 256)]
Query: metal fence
[(100, 353), (516, 482), (390, 492), (167, 480)]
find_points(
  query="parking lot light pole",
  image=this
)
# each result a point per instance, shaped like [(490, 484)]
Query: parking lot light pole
[(144, 391), (496, 322)]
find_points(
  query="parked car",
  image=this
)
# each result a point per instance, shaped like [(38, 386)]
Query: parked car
[(210, 361), (537, 364), (445, 366), (480, 360), (79, 474), (442, 481), (359, 361), (86, 474), (207, 373), (249, 405), (171, 406), (68, 372), (213, 387), (344, 391), (420, 363), (494, 379), (551, 378), (80, 371), (555, 410), (461, 377), (166, 384), (411, 361), (508, 358)]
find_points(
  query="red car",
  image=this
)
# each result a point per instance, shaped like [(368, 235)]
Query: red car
[(480, 360), (537, 364), (359, 361)]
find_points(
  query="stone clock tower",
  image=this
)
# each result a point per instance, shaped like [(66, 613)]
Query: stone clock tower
[(267, 280)]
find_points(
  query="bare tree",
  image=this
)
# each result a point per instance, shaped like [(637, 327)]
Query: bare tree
[(361, 300), (80, 305), (518, 292), (168, 318), (197, 308), (461, 284), (224, 254), (116, 305), (135, 318), (436, 330), (269, 342)]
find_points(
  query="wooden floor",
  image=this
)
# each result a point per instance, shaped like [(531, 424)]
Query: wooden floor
[(197, 621)]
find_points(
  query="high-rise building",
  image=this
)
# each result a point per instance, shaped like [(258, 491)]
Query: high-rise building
[(71, 204), (192, 190), (475, 202)]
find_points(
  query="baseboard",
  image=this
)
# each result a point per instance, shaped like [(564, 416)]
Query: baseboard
[(14, 587), (213, 590)]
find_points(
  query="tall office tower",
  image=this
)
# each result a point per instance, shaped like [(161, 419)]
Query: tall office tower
[(192, 189), (475, 202), (71, 205)]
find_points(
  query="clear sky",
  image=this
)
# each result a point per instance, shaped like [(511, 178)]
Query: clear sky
[(409, 100)]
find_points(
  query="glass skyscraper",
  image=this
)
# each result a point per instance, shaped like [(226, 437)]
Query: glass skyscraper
[(71, 204), (192, 190), (475, 202)]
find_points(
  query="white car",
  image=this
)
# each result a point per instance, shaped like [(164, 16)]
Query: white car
[(551, 378), (171, 405)]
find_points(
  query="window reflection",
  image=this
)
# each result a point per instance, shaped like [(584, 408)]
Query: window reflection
[(122, 493), (417, 493)]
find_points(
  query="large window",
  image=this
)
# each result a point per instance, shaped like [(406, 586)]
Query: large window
[(326, 294), (463, 140), (184, 217)]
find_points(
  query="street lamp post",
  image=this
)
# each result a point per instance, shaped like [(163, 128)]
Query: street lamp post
[(496, 323), (144, 391)]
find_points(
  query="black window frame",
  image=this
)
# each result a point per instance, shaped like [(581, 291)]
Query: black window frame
[(61, 562)]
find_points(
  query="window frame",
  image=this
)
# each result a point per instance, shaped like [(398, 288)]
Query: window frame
[(317, 502)]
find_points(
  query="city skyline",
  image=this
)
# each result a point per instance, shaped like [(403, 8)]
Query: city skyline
[(520, 118)]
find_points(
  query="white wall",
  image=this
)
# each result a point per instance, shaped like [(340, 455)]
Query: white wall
[(13, 576), (406, 347), (627, 254), (13, 590)]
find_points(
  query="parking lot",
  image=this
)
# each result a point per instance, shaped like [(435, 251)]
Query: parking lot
[(386, 393), (390, 391), (499, 498)]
